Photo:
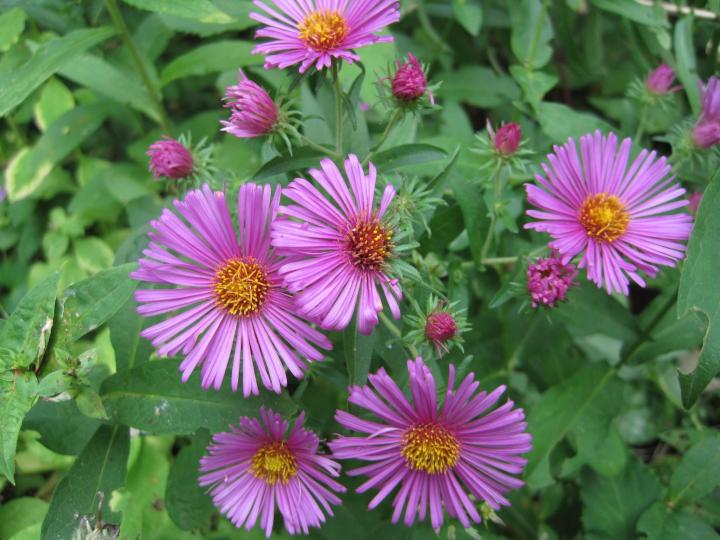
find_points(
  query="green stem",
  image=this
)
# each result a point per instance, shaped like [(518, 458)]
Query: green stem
[(498, 260), (647, 331), (493, 211), (641, 123), (338, 109), (127, 41), (319, 147), (394, 119), (395, 331)]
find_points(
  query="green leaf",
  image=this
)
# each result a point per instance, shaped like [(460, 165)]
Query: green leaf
[(478, 86), (107, 80), (686, 64), (89, 303), (591, 311), (358, 353), (62, 427), (531, 32), (660, 523), (200, 10), (474, 213), (302, 159), (582, 404), (153, 398), (27, 170), (12, 24), (211, 58), (698, 472), (534, 84), (699, 292), (407, 154), (634, 11), (560, 122), (25, 334), (93, 254), (612, 505), (18, 514), (125, 327), (17, 395), (50, 57), (469, 14), (189, 505), (100, 468), (55, 100)]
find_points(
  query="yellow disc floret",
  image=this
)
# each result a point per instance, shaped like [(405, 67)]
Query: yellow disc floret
[(241, 286), (431, 448), (323, 30), (604, 217)]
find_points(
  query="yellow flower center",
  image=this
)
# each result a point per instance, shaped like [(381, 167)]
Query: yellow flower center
[(431, 448), (323, 30), (241, 287), (369, 244), (273, 463), (604, 217)]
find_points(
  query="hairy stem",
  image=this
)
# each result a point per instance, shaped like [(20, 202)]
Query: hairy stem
[(395, 331)]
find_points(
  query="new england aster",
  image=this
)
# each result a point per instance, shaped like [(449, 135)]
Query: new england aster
[(316, 31), (438, 455), (617, 218), (336, 246), (225, 295), (259, 465)]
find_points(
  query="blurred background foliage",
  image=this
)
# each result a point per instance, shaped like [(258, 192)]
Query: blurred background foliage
[(108, 438)]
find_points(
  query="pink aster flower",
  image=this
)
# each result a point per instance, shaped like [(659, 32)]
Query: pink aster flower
[(258, 465), (169, 157), (437, 455), (252, 112), (409, 82), (316, 31), (660, 80), (337, 246), (549, 280), (225, 294), (617, 218), (706, 132)]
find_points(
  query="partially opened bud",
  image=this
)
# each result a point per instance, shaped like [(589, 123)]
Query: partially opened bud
[(706, 132), (660, 80), (549, 280), (440, 328), (409, 82), (170, 158)]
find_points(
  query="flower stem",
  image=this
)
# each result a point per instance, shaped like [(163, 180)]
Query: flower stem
[(395, 331), (338, 109), (391, 124), (493, 212), (641, 123), (127, 41), (307, 142)]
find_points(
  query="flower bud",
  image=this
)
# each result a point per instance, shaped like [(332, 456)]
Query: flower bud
[(507, 138), (170, 158), (660, 80)]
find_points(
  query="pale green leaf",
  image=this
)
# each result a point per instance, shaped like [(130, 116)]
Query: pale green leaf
[(214, 57), (17, 395)]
